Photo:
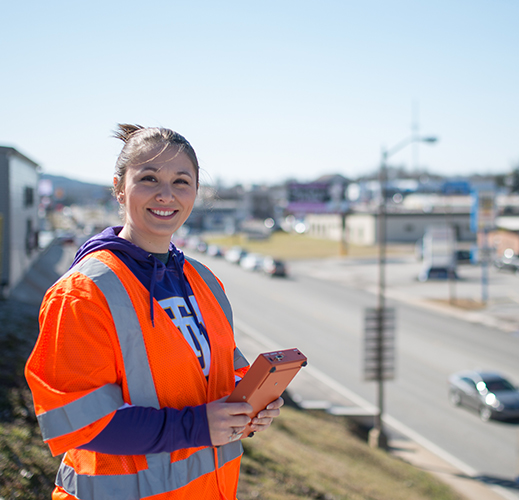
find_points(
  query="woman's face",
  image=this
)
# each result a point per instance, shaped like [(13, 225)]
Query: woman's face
[(158, 195)]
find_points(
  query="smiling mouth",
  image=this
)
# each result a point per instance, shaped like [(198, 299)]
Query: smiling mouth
[(162, 213)]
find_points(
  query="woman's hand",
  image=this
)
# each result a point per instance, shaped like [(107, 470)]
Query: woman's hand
[(265, 417), (226, 420)]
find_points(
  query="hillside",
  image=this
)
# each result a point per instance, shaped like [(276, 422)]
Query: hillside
[(68, 191)]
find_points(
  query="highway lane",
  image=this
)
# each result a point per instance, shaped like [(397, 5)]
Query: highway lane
[(431, 346), (325, 320)]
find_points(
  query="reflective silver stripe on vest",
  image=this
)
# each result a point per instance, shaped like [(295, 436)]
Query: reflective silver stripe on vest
[(136, 366), (81, 412), (240, 361), (148, 482), (162, 475), (214, 286)]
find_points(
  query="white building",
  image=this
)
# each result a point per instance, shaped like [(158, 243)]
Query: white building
[(401, 227), (19, 202)]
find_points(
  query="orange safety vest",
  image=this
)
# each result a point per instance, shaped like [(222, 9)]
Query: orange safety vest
[(97, 350)]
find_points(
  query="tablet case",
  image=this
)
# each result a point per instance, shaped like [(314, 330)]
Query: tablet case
[(266, 380)]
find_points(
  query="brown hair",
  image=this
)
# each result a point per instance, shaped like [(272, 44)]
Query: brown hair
[(138, 139)]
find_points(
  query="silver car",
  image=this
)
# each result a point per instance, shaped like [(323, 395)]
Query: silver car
[(489, 393)]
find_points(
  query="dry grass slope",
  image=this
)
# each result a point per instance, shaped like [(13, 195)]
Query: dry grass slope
[(27, 469), (313, 456)]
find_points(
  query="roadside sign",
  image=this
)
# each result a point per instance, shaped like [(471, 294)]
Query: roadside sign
[(379, 344), (483, 213)]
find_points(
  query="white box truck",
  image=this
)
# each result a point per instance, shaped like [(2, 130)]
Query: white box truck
[(438, 253)]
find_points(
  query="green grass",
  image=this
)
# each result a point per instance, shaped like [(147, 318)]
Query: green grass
[(299, 246), (304, 455)]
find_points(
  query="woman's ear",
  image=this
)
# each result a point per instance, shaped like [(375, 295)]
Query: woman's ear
[(119, 195)]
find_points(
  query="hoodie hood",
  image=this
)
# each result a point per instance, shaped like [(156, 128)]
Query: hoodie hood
[(109, 240), (150, 271)]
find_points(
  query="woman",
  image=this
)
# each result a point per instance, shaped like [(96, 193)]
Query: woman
[(136, 353)]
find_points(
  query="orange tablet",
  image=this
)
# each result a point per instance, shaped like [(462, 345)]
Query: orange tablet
[(266, 380)]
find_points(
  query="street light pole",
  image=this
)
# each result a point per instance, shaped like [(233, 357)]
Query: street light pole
[(377, 437), (382, 225)]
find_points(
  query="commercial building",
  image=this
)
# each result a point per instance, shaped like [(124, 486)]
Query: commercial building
[(402, 227), (19, 177)]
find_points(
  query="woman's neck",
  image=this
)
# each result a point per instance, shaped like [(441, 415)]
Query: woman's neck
[(148, 246)]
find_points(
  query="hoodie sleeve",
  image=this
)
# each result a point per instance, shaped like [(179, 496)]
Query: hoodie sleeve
[(137, 430)]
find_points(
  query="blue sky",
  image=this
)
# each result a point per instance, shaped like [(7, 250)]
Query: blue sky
[(264, 91)]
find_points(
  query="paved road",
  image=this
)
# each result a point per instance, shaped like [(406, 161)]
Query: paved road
[(320, 310)]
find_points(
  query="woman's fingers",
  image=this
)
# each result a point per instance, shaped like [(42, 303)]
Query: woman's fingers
[(226, 420), (265, 417)]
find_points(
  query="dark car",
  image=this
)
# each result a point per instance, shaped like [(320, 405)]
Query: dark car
[(510, 264), (463, 256), (437, 273), (274, 267), (489, 393)]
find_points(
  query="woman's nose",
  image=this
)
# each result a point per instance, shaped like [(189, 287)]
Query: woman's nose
[(165, 193)]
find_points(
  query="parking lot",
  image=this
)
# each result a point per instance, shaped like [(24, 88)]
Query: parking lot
[(493, 300)]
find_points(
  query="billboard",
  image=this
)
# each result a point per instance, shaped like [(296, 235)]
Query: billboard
[(315, 197)]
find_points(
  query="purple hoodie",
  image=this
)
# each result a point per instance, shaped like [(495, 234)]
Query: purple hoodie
[(136, 430)]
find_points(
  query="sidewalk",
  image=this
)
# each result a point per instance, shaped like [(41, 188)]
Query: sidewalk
[(53, 262)]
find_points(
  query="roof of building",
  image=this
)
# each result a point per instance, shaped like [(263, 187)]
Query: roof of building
[(7, 150)]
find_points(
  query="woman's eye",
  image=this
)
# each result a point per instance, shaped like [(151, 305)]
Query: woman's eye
[(148, 178)]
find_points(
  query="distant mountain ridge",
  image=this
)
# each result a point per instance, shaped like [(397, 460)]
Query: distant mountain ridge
[(72, 191)]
